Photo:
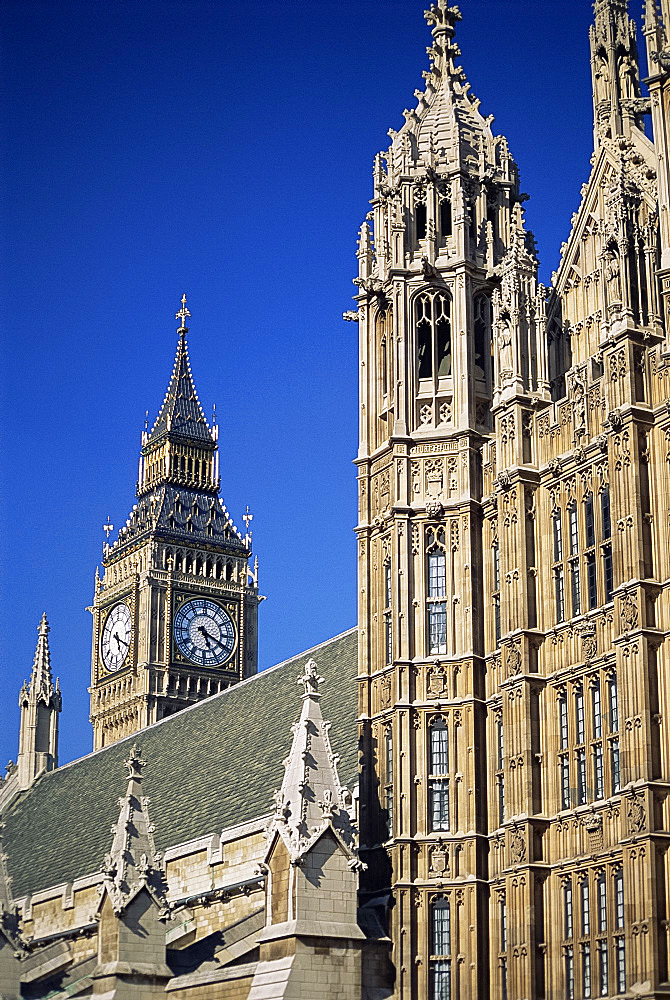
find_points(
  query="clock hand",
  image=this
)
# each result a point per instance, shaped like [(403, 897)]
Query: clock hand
[(205, 634), (118, 641)]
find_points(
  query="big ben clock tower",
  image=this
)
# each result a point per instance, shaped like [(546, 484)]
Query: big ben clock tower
[(175, 612)]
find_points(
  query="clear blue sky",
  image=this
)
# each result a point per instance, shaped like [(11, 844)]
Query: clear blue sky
[(224, 149)]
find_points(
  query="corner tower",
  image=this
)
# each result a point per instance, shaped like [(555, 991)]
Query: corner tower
[(451, 322), (175, 613)]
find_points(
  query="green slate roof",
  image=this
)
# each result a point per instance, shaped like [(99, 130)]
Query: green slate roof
[(209, 767)]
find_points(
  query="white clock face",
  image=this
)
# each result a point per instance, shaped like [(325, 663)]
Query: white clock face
[(204, 632), (116, 637)]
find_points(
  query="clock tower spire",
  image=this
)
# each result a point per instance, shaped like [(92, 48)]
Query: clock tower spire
[(175, 612)]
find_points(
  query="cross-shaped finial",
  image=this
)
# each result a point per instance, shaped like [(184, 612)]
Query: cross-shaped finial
[(108, 528), (183, 312), (247, 518)]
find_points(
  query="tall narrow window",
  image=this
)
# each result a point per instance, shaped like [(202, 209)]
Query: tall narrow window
[(563, 719), (500, 774), (598, 772), (602, 904), (620, 946), (482, 325), (616, 765), (565, 783), (567, 910), (388, 614), (445, 218), (589, 523), (605, 512), (503, 925), (614, 705), (421, 217), (586, 971), (433, 331), (586, 907), (383, 361), (608, 572), (388, 777), (438, 752), (579, 714), (597, 710), (559, 585), (581, 777), (603, 969), (618, 901), (496, 592), (569, 973), (440, 950), (574, 532), (558, 536), (436, 599), (591, 580)]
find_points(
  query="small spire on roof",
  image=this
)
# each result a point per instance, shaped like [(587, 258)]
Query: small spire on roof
[(183, 314), (133, 863)]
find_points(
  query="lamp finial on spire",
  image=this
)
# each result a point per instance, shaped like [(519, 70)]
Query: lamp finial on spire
[(183, 314)]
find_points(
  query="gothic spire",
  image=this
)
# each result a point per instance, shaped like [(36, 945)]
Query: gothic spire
[(311, 796), (133, 863), (40, 702), (181, 414), (41, 683)]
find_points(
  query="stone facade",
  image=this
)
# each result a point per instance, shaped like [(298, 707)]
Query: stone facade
[(512, 550), (510, 659)]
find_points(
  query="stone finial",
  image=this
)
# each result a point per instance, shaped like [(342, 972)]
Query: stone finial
[(133, 863), (310, 679), (311, 797)]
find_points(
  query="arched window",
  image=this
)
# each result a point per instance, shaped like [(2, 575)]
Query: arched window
[(482, 335), (388, 613), (420, 213), (440, 950), (438, 775), (432, 312), (436, 593), (445, 218)]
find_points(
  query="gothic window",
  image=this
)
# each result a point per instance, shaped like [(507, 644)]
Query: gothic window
[(601, 887), (432, 311), (559, 577), (482, 325), (570, 973), (597, 723), (388, 614), (579, 713), (384, 367), (420, 213), (619, 941), (615, 769), (567, 911), (496, 592), (446, 222), (574, 559), (438, 767), (586, 908), (563, 719), (586, 971), (603, 968), (388, 777), (436, 593), (502, 958), (500, 774), (440, 950)]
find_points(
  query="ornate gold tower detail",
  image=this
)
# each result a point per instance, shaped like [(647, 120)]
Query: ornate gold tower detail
[(512, 476), (175, 614)]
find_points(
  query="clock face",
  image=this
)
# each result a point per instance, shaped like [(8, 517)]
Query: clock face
[(116, 637), (204, 632)]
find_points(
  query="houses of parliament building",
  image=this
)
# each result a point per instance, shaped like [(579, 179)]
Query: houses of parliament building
[(468, 794)]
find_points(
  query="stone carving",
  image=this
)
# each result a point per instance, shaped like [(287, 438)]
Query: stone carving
[(517, 846), (628, 612), (514, 660), (436, 685), (637, 817), (439, 861), (385, 692)]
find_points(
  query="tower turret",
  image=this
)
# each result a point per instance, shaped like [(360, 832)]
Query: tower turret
[(40, 702), (615, 72), (175, 613)]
